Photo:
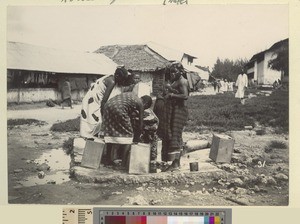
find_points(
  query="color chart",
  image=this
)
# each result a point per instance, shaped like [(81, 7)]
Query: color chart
[(161, 216)]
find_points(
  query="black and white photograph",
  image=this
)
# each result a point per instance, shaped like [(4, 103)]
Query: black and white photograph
[(148, 105)]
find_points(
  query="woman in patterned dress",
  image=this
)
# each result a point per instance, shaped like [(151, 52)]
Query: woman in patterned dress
[(93, 102), (118, 130)]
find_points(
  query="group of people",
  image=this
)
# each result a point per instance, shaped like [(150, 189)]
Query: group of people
[(111, 106), (222, 85), (241, 84)]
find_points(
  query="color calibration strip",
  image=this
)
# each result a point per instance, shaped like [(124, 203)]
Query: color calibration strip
[(162, 216), (77, 216)]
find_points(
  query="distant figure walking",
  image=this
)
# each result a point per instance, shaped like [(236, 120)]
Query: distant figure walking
[(218, 85), (225, 87), (242, 84), (215, 83), (222, 86), (66, 93)]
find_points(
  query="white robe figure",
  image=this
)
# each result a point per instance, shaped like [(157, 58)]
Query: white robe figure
[(222, 89), (241, 83), (225, 87)]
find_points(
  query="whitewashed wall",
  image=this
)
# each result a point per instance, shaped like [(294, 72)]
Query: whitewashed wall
[(270, 75), (30, 95)]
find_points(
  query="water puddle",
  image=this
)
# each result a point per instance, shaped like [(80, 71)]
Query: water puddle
[(57, 162)]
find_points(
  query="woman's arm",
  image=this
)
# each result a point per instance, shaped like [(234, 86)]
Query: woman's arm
[(140, 109), (110, 84)]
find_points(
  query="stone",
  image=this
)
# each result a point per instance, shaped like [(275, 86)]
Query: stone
[(43, 167), (240, 190), (237, 150), (137, 200), (186, 193), (18, 170), (271, 181), (237, 182), (155, 202), (262, 179), (41, 174), (249, 127), (228, 167), (222, 182), (117, 193), (281, 177), (251, 200), (51, 182), (210, 190), (256, 188)]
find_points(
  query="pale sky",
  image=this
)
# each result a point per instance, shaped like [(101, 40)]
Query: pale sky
[(205, 31)]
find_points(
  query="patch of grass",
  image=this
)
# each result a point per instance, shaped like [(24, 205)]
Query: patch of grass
[(275, 145), (278, 144), (14, 122), (67, 126), (260, 132), (223, 112), (68, 145)]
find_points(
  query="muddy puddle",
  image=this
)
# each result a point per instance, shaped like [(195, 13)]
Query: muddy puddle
[(52, 168)]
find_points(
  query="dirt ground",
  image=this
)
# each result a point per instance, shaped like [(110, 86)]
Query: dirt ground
[(257, 175)]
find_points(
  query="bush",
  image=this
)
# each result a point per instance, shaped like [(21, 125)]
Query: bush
[(14, 122), (67, 126), (275, 145), (278, 145), (68, 146)]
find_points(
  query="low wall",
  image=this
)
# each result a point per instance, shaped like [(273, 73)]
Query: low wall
[(30, 95)]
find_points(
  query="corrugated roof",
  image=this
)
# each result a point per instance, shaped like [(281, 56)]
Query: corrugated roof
[(134, 57), (167, 53), (35, 58)]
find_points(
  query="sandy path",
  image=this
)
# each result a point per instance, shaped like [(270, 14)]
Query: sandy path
[(50, 114)]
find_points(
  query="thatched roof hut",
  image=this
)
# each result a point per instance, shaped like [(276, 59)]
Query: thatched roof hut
[(134, 57), (141, 60)]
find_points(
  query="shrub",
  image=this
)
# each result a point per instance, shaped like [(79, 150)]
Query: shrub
[(260, 132), (68, 146), (67, 126), (14, 122), (278, 144)]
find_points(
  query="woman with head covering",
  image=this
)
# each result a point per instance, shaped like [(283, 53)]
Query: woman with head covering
[(93, 102), (175, 116)]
